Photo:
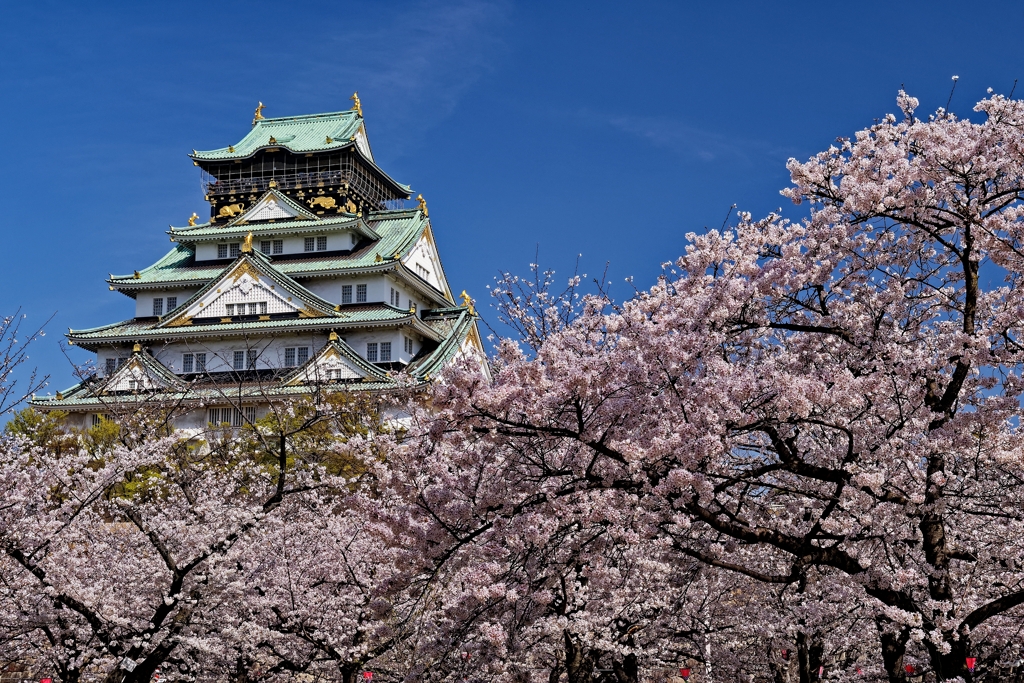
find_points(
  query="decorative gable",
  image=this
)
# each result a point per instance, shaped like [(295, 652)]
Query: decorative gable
[(274, 206), (363, 143), (424, 262), (140, 373), (249, 288), (336, 362)]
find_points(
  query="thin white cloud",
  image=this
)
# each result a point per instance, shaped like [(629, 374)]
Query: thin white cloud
[(685, 140), (414, 69)]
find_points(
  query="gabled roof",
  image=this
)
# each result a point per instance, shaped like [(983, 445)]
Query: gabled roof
[(310, 133), (141, 365), (249, 271), (338, 354), (464, 327), (274, 205), (398, 232), (307, 133)]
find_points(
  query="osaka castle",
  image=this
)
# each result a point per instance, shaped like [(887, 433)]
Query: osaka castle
[(315, 271)]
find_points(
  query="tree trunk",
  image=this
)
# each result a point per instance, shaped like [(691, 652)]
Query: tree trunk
[(579, 662), (809, 654), (628, 671), (894, 646)]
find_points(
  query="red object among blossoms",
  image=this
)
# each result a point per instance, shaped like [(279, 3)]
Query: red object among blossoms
[(909, 668), (685, 673), (971, 661), (45, 680), (367, 675)]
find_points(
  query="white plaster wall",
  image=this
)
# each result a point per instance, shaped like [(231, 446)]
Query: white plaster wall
[(424, 254), (220, 353), (144, 300), (336, 241)]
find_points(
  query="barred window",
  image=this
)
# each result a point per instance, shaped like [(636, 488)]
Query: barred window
[(289, 358), (172, 303), (321, 243), (234, 249), (308, 244), (111, 366), (222, 251), (346, 294), (278, 246), (360, 294), (371, 352), (263, 308), (302, 354), (408, 345), (229, 309), (251, 356), (385, 352), (295, 356), (266, 246), (158, 306), (188, 362), (238, 361), (396, 298), (200, 362)]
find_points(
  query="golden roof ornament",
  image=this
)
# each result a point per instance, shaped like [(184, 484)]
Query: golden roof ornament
[(136, 275), (247, 244), (333, 336), (259, 114), (377, 258), (273, 140), (357, 105), (137, 348), (329, 140), (60, 396), (467, 302), (231, 148), (192, 220), (423, 205)]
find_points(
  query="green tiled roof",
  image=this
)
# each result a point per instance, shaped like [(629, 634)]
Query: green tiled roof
[(307, 133), (398, 230), (138, 329), (443, 354), (81, 396), (207, 232)]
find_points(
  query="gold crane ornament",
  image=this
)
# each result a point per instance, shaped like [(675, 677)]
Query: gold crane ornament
[(357, 105), (467, 302), (423, 205), (192, 220), (259, 113)]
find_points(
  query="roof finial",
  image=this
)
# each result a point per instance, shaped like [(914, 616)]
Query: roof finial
[(137, 348), (333, 336), (247, 244), (423, 205), (467, 302), (357, 106), (193, 219), (259, 113)]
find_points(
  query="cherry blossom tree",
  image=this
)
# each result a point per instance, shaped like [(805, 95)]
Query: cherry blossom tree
[(836, 396)]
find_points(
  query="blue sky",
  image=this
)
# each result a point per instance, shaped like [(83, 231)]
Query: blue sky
[(606, 129)]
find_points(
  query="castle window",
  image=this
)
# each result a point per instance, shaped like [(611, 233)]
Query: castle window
[(98, 419), (408, 345), (308, 243), (371, 352), (385, 352), (111, 366), (251, 358), (200, 362), (187, 362), (295, 356), (172, 303), (395, 298), (222, 251), (229, 309), (346, 294), (360, 294), (422, 271), (158, 306), (321, 243), (238, 360), (278, 246), (265, 246), (234, 249)]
